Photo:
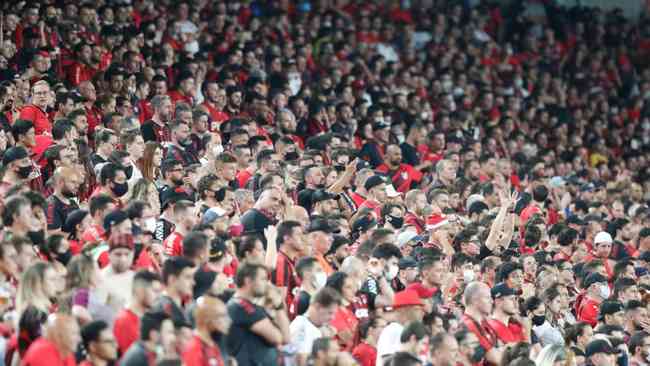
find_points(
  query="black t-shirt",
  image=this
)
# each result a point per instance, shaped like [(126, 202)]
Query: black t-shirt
[(184, 156), (254, 222), (304, 198), (247, 347), (409, 154), (176, 313), (58, 211), (96, 159)]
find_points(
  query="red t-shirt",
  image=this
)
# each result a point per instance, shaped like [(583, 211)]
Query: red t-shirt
[(243, 176), (365, 354), (44, 353), (486, 336), (410, 219), (511, 333), (126, 329), (588, 311), (38, 117), (197, 353), (215, 114), (173, 244), (402, 177), (376, 206)]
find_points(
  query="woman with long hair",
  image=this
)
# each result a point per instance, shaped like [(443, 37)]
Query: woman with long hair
[(149, 164), (83, 276), (144, 190), (555, 355)]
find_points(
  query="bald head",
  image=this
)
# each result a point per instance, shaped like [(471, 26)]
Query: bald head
[(63, 330), (298, 213), (211, 315)]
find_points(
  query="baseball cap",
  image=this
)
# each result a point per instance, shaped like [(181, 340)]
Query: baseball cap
[(603, 237), (373, 181), (407, 262), (406, 298), (379, 126), (599, 346), (644, 233), (406, 236), (574, 219), (477, 207), (172, 195), (337, 242), (645, 256), (14, 153), (502, 290), (594, 278), (212, 214), (587, 187), (321, 225), (364, 223), (115, 217), (74, 218), (117, 241), (472, 199), (217, 249), (609, 307), (320, 195)]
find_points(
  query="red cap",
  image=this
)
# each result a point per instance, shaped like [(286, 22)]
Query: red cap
[(435, 221), (422, 291), (406, 298)]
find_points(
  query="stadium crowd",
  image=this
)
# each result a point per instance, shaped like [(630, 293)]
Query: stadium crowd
[(331, 182)]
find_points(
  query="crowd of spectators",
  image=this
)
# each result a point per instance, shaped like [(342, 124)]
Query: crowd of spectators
[(328, 183)]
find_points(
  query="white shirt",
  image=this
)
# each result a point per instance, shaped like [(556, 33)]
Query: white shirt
[(303, 334), (389, 341)]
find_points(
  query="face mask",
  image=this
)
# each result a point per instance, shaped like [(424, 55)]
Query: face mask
[(295, 83), (24, 171), (217, 150), (216, 336), (479, 353), (604, 291), (37, 237), (64, 258), (291, 155), (538, 320), (397, 222), (468, 276), (392, 273), (192, 47), (150, 225), (68, 193), (320, 279), (119, 189)]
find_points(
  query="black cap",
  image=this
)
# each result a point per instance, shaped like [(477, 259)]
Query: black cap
[(364, 223), (502, 290), (594, 278), (74, 218), (407, 262), (599, 184), (115, 217), (218, 249), (507, 268), (337, 242), (609, 307), (477, 207), (173, 195), (574, 219), (322, 195), (645, 256), (374, 181), (644, 233), (599, 346), (14, 153), (321, 225)]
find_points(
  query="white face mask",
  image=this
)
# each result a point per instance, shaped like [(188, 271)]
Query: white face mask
[(218, 149), (468, 276), (645, 125), (192, 47), (392, 272), (320, 278), (150, 224), (604, 291), (295, 82)]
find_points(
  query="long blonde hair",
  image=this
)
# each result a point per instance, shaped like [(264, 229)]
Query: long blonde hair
[(80, 271), (30, 288)]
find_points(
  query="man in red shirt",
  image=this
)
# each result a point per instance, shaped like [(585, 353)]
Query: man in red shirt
[(402, 175), (93, 115), (184, 220), (416, 202), (126, 328), (212, 323), (291, 242), (99, 344), (215, 102), (478, 306), (57, 345), (186, 90), (503, 322), (596, 291), (376, 188), (35, 112)]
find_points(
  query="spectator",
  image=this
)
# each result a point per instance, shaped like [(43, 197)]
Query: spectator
[(99, 343), (58, 344)]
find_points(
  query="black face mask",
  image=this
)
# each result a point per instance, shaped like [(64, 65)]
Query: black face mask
[(24, 171), (216, 336), (538, 320), (291, 155), (339, 168), (120, 189), (37, 237), (479, 353), (64, 258), (397, 222), (68, 193)]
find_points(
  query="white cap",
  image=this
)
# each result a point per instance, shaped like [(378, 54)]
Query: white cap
[(603, 237), (405, 236), (473, 198)]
